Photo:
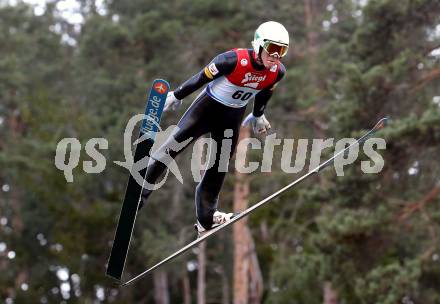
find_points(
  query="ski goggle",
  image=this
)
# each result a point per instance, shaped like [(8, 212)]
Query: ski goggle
[(275, 49)]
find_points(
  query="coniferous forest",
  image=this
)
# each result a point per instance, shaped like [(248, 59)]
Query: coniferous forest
[(357, 238)]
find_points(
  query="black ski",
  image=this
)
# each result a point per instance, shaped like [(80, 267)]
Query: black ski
[(149, 127), (379, 125)]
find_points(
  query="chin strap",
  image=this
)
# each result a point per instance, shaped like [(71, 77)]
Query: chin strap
[(257, 57)]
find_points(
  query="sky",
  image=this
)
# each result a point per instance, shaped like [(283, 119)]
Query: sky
[(69, 9)]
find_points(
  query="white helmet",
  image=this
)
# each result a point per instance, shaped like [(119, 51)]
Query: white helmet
[(268, 33)]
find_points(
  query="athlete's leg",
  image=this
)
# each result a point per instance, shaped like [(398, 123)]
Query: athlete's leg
[(191, 126), (208, 190)]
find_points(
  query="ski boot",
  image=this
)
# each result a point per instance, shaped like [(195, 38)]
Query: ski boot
[(219, 218)]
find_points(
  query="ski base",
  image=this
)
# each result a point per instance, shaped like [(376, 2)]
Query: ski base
[(155, 103)]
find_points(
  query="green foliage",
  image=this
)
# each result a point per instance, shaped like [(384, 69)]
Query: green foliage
[(347, 66), (294, 275), (391, 283)]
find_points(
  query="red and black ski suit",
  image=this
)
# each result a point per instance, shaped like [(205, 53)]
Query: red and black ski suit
[(233, 78)]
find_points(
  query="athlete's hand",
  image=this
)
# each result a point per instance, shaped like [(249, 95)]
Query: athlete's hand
[(172, 103), (260, 125)]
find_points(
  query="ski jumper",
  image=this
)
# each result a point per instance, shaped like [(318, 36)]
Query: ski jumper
[(233, 78)]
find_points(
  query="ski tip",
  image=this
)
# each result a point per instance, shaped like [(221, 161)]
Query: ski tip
[(115, 277), (129, 282), (382, 123), (161, 86)]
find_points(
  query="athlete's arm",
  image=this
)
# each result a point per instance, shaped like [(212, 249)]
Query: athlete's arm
[(223, 64), (262, 97)]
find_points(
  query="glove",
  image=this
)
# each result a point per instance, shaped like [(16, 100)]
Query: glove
[(260, 125), (171, 103)]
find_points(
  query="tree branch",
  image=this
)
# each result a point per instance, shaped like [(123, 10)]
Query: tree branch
[(411, 208), (426, 79)]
